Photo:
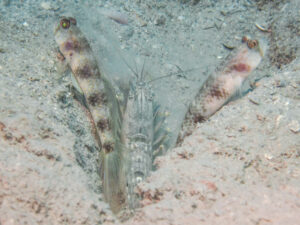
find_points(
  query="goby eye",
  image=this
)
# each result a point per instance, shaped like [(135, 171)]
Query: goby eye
[(65, 23)]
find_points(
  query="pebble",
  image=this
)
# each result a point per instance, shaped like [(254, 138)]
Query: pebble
[(294, 126), (268, 156), (6, 2), (278, 119), (280, 83), (254, 101), (117, 17), (141, 22), (294, 85), (127, 34), (180, 18), (48, 6), (40, 115), (160, 20), (260, 117)]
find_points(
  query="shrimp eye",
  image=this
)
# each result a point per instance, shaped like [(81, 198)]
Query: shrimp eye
[(73, 20), (252, 43), (65, 23)]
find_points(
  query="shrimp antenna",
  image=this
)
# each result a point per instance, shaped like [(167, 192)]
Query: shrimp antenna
[(136, 69), (142, 73), (127, 64), (172, 74), (131, 69)]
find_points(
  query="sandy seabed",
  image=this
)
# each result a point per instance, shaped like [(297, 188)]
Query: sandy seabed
[(242, 166)]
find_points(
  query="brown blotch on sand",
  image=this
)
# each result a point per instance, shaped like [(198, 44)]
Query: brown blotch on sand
[(2, 126)]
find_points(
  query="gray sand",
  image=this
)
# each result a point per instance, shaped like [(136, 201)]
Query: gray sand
[(240, 167)]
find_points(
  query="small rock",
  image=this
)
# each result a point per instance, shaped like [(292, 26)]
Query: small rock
[(193, 2), (294, 85), (268, 156), (2, 126), (280, 83), (254, 101), (260, 117), (141, 21), (40, 115), (127, 34), (294, 126), (180, 18), (48, 6), (6, 2), (160, 20), (278, 119), (117, 17)]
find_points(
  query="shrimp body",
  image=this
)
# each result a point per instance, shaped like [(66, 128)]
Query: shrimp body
[(143, 135), (138, 131)]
